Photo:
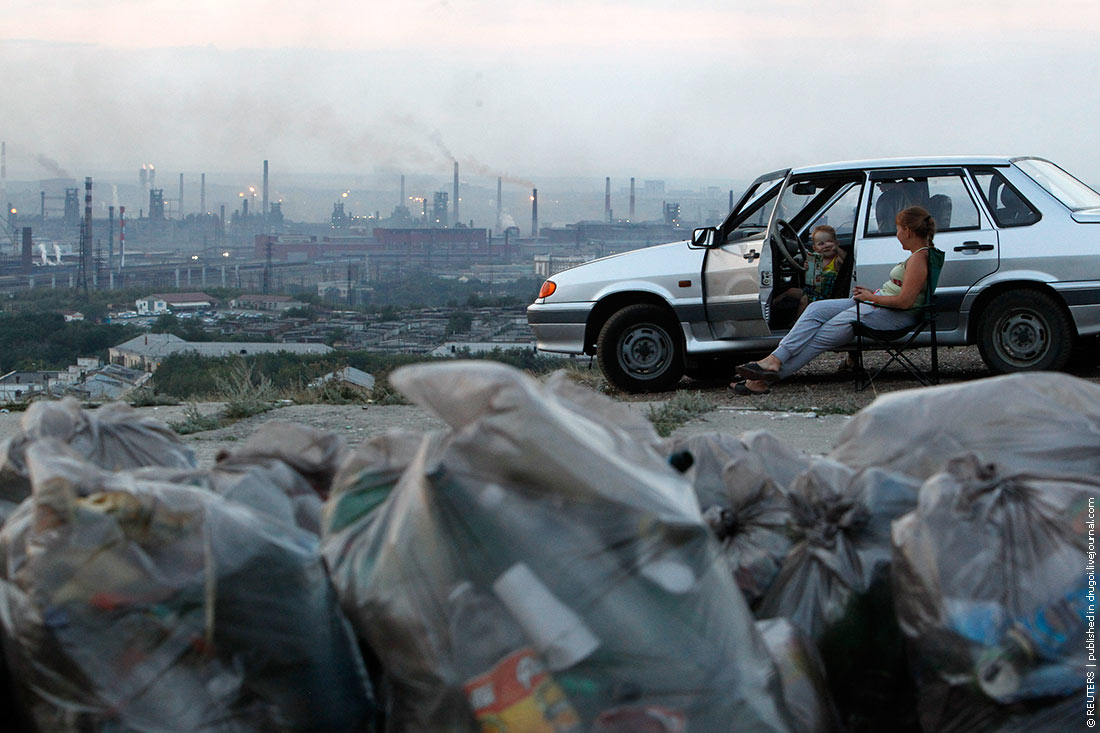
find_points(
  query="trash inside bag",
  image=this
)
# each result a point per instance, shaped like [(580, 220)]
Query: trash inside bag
[(1034, 421), (992, 580), (574, 535), (740, 483), (138, 605), (283, 470), (834, 586), (805, 689), (114, 436)]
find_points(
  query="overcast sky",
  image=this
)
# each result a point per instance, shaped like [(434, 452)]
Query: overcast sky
[(720, 89)]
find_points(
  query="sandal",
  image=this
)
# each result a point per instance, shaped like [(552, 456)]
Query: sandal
[(743, 390), (753, 370)]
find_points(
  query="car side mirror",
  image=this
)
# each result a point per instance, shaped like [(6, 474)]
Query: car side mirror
[(705, 237)]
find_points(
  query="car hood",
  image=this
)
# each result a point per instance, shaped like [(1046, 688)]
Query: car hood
[(1087, 216), (646, 268)]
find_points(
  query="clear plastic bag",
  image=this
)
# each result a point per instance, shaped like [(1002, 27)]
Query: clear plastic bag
[(593, 543), (114, 436), (834, 586), (1035, 421), (740, 482), (991, 581), (142, 605)]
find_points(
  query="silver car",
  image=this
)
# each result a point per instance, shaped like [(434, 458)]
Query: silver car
[(1021, 278)]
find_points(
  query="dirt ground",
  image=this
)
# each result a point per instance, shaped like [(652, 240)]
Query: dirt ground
[(807, 412)]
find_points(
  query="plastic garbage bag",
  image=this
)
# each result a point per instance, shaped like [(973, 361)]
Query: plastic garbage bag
[(114, 436), (805, 689), (740, 483), (283, 470), (590, 540), (834, 585), (994, 581), (1032, 421), (136, 605)]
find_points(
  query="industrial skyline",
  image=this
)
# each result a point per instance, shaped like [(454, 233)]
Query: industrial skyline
[(698, 89)]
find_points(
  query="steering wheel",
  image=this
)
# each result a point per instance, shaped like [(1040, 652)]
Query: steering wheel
[(789, 244)]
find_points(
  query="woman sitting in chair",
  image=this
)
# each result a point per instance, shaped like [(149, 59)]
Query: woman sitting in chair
[(827, 324)]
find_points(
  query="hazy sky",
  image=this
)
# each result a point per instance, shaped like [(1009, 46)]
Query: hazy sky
[(720, 89)]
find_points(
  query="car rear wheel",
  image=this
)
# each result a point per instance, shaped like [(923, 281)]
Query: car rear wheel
[(1025, 331), (639, 351)]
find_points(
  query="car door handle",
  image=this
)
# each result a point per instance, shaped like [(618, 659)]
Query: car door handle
[(751, 255), (973, 247)]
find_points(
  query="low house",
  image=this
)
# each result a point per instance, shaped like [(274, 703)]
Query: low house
[(21, 385), (110, 382), (157, 303), (146, 352)]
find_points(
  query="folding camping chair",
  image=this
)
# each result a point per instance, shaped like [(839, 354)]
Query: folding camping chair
[(896, 341)]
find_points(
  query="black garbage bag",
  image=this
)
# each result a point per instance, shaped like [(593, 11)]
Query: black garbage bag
[(994, 582), (591, 543), (1030, 421), (284, 470), (834, 585), (740, 482), (114, 436), (137, 605)]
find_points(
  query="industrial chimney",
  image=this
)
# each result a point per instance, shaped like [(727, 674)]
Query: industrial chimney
[(265, 191), (456, 219), (121, 237), (534, 213), (402, 201), (202, 194), (500, 207), (180, 212), (607, 199), (632, 198)]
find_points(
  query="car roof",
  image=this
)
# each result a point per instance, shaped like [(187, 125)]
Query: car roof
[(906, 163)]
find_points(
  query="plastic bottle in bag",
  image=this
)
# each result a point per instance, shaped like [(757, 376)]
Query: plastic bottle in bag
[(506, 683)]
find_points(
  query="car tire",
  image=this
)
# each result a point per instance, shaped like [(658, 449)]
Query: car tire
[(1025, 330), (639, 350)]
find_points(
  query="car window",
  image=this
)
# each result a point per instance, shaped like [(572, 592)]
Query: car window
[(944, 196), (753, 216), (1007, 205), (840, 214)]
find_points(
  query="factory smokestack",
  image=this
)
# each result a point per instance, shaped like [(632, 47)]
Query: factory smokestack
[(121, 237), (456, 219), (500, 207), (402, 201), (180, 200), (534, 212), (632, 198), (607, 198), (110, 238), (4, 169), (28, 251), (202, 194), (265, 191)]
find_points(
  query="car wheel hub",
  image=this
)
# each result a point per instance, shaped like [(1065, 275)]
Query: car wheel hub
[(645, 350), (1023, 337)]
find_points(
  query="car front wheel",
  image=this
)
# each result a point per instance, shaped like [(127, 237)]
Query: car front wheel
[(1025, 331), (639, 351)]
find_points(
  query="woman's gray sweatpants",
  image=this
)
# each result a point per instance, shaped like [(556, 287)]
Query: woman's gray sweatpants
[(827, 324)]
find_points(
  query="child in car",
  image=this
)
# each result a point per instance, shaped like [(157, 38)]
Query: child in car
[(822, 267)]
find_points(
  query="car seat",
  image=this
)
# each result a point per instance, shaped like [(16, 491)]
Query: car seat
[(939, 206)]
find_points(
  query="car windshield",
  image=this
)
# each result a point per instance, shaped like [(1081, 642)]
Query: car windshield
[(1059, 184), (752, 216)]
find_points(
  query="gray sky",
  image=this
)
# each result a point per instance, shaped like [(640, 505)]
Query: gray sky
[(720, 89)]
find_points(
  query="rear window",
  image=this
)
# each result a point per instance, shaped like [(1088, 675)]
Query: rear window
[(1059, 184)]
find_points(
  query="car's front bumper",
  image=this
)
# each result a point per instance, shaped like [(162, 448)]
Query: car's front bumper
[(559, 327)]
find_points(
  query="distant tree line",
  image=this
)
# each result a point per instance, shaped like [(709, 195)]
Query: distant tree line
[(45, 341)]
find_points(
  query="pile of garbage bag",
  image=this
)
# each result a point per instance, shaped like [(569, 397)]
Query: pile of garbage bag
[(548, 563)]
